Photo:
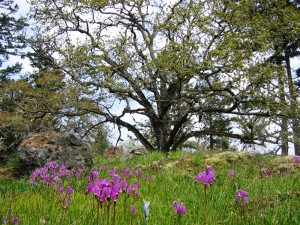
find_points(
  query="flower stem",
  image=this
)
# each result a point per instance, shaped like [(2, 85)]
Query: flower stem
[(205, 205), (98, 211), (114, 216), (244, 216), (131, 219), (179, 219), (62, 218), (108, 205)]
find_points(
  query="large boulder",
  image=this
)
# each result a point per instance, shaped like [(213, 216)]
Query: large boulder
[(65, 148)]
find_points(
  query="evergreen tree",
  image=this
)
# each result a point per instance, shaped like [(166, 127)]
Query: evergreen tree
[(11, 43), (11, 38)]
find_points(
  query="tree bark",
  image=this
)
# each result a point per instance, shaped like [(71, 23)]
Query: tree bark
[(284, 121), (293, 103)]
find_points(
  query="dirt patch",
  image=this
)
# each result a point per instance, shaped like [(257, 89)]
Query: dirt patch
[(5, 172)]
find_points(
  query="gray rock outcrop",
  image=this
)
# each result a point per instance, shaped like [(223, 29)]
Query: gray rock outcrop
[(65, 148)]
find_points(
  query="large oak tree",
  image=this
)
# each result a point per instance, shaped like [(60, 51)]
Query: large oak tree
[(173, 63)]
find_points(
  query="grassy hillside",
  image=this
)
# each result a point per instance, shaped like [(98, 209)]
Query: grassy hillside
[(60, 196)]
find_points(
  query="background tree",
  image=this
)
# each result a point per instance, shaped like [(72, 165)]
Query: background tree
[(163, 62), (280, 27), (12, 42), (11, 38)]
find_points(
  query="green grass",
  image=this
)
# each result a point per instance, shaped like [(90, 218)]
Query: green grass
[(273, 199)]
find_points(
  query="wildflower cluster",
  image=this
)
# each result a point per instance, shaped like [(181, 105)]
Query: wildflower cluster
[(107, 189), (14, 220), (65, 197), (110, 189), (263, 171), (52, 174), (11, 218)]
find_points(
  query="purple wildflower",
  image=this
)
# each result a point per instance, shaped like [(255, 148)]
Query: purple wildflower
[(296, 159), (261, 164), (94, 174), (149, 177), (106, 190), (115, 191), (57, 179), (126, 172), (123, 184), (180, 208), (133, 209), (113, 172), (135, 186), (52, 165), (45, 178), (128, 190), (15, 220), (138, 172), (207, 176), (79, 172), (60, 189), (241, 194), (231, 173), (89, 188), (267, 172), (103, 167), (70, 190), (4, 219)]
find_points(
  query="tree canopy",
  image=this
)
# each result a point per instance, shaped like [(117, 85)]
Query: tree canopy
[(175, 64)]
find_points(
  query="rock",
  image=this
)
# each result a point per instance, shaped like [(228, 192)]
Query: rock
[(134, 152), (120, 151), (138, 151), (38, 149), (114, 152)]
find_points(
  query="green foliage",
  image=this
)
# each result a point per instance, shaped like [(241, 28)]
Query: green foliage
[(13, 162), (101, 141), (20, 103)]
